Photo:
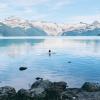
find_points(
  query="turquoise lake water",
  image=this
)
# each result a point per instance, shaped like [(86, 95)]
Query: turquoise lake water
[(84, 55)]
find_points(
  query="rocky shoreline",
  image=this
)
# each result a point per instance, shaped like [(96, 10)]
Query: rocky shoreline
[(47, 90)]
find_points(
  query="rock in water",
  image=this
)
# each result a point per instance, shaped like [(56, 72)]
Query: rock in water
[(69, 62), (7, 93), (39, 78), (22, 68), (91, 87)]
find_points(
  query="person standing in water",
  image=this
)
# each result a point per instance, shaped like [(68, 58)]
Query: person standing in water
[(49, 52)]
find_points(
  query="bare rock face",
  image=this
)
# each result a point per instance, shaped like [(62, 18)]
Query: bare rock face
[(55, 90), (91, 87), (41, 84), (70, 94), (60, 85), (42, 90), (34, 94), (88, 95), (7, 93), (37, 91)]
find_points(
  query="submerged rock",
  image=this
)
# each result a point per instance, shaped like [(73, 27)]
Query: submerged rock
[(69, 62), (91, 87), (22, 68), (7, 93)]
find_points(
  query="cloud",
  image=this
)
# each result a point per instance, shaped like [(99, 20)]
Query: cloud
[(53, 4), (88, 18), (33, 7), (28, 10), (3, 6), (32, 14), (97, 10), (61, 3), (36, 4), (27, 3), (22, 7)]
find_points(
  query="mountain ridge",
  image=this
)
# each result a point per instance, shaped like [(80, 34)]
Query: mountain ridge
[(16, 26)]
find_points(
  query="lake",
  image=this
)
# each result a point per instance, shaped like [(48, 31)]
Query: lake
[(83, 55)]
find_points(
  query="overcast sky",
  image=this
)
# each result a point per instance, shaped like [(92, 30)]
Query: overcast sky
[(60, 11)]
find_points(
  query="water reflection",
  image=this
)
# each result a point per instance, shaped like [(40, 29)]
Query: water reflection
[(84, 56), (7, 42)]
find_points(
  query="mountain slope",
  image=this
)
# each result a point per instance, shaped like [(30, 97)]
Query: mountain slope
[(94, 32), (19, 27)]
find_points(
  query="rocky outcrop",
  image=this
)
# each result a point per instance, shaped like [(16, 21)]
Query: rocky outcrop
[(36, 92), (54, 91), (47, 90), (42, 90), (7, 93), (91, 87), (41, 84), (23, 94)]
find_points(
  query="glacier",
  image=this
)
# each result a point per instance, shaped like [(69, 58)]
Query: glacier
[(20, 27)]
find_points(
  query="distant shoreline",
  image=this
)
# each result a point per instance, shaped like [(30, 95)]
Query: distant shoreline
[(51, 37)]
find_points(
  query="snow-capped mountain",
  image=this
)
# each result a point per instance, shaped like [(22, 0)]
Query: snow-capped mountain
[(83, 29), (18, 27), (13, 26)]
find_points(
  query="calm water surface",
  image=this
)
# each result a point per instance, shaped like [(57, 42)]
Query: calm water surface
[(33, 53)]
